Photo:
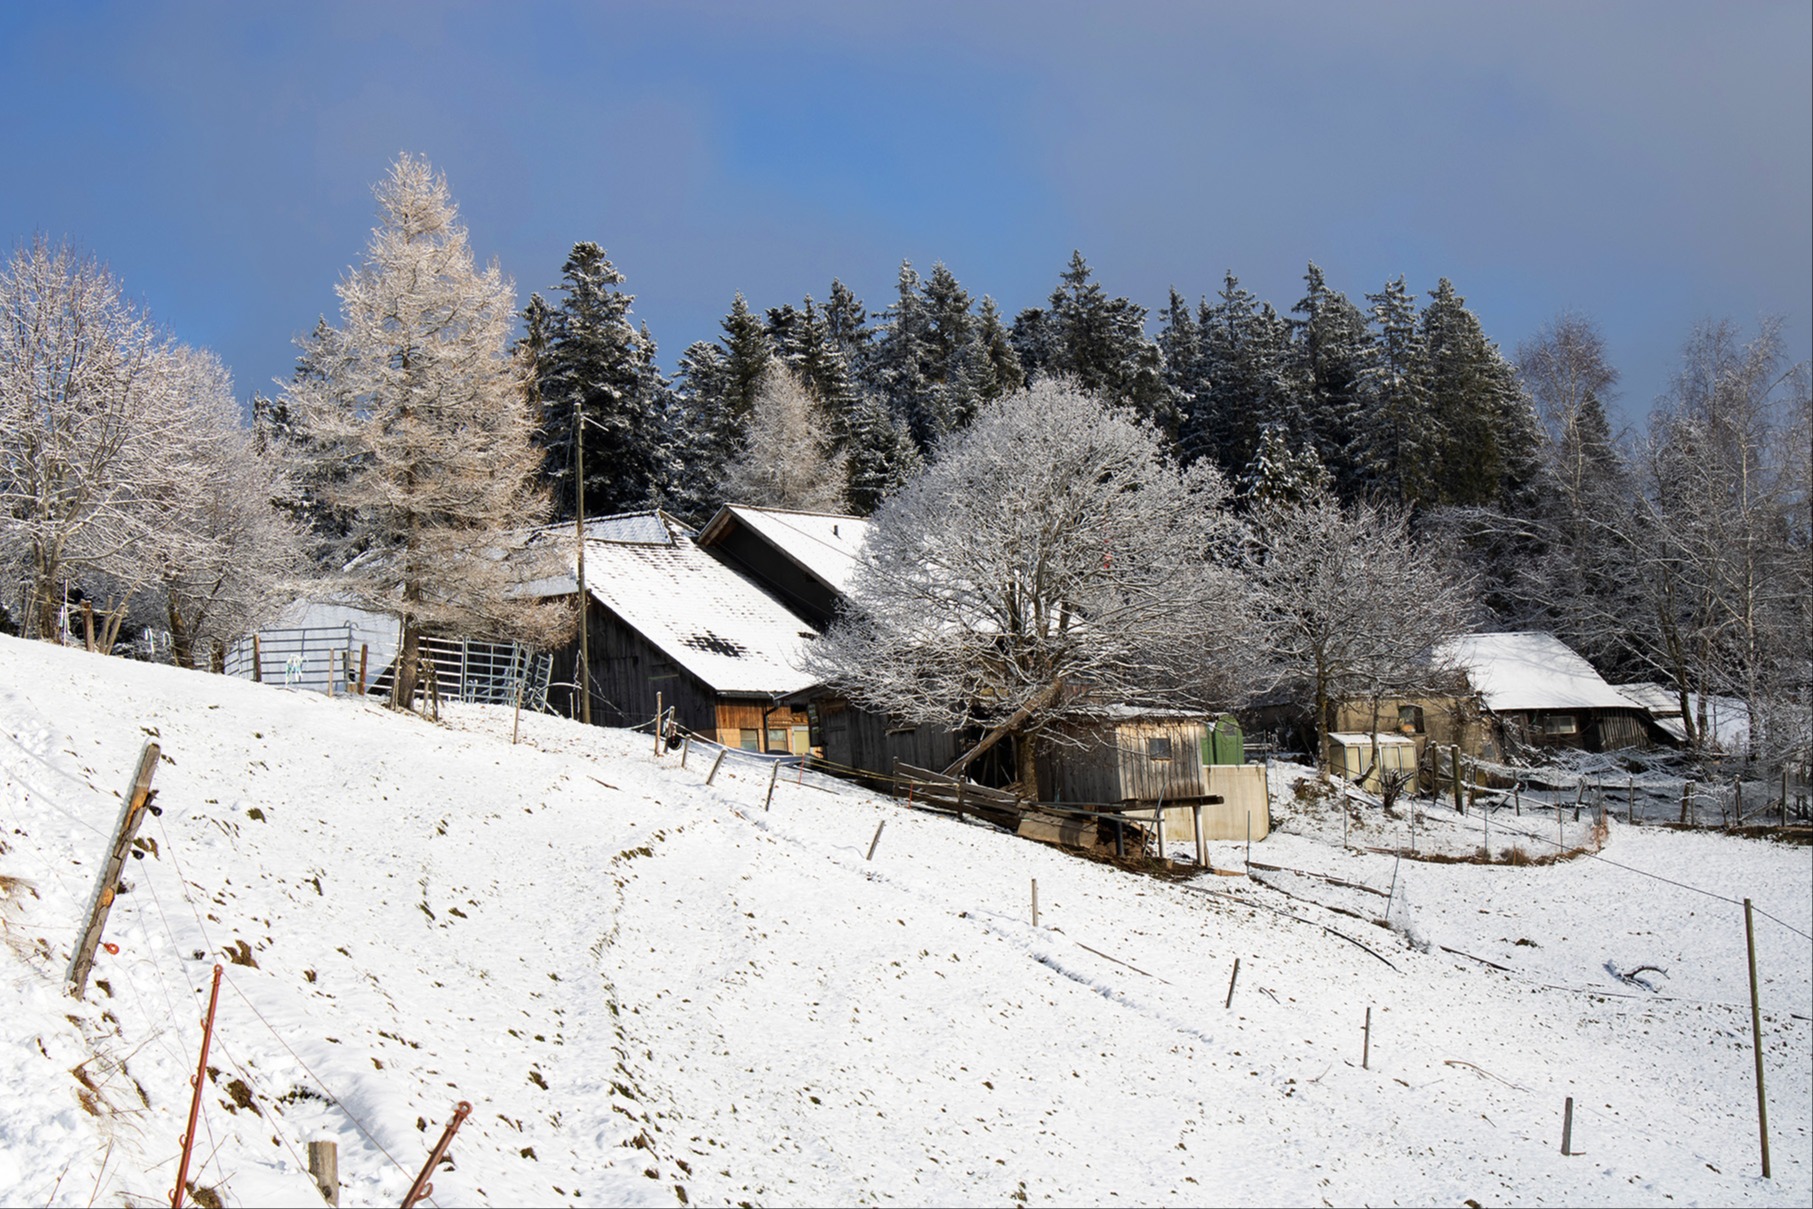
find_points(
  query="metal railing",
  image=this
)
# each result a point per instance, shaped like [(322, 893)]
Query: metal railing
[(325, 659)]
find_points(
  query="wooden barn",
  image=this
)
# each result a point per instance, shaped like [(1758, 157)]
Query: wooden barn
[(665, 620), (1534, 691)]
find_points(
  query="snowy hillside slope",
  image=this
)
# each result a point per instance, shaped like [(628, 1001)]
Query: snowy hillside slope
[(652, 990)]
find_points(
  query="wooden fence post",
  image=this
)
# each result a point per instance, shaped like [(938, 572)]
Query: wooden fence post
[(876, 840), (1366, 1042), (257, 662), (1567, 1127), (1232, 978), (714, 765), (1737, 798), (132, 813), (1035, 902), (324, 1165), (364, 653), (685, 747), (1686, 793), (1756, 1039), (1460, 806), (516, 725), (774, 771)]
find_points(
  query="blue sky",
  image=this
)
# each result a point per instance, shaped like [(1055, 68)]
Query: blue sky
[(1650, 165)]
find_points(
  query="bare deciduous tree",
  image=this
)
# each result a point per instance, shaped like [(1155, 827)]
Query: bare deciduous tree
[(1354, 606), (217, 552), (1052, 559), (81, 418)]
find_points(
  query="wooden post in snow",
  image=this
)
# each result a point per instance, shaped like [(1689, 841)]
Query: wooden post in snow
[(516, 726), (364, 654), (132, 813), (1202, 850), (876, 840), (774, 771), (1460, 806), (714, 765), (1365, 1041), (1035, 901), (324, 1165), (257, 662), (1232, 978), (1567, 1127), (1756, 1039)]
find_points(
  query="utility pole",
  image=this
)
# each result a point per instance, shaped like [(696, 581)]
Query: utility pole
[(582, 676)]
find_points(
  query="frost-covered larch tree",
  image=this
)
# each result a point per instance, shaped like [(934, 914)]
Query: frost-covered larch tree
[(424, 402), (789, 461), (1053, 559)]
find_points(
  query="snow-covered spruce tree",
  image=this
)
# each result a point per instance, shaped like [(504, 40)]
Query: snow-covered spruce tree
[(1052, 559), (1486, 435), (1394, 431), (789, 461), (1100, 343), (1280, 476), (83, 411), (595, 362), (1330, 351), (427, 407), (1352, 604)]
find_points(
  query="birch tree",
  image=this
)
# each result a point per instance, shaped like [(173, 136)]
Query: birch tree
[(1052, 559), (418, 392)]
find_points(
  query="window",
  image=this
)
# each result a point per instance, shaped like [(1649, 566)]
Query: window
[(1560, 724), (815, 736), (749, 740), (1410, 719), (777, 738), (1158, 749)]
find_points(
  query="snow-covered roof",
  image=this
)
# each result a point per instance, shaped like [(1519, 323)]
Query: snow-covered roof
[(1726, 717), (825, 544), (705, 617), (1528, 671)]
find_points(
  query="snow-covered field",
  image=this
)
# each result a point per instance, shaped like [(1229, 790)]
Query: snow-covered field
[(645, 985)]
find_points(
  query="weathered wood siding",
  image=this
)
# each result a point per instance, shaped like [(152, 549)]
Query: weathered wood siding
[(856, 739), (1111, 762)]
